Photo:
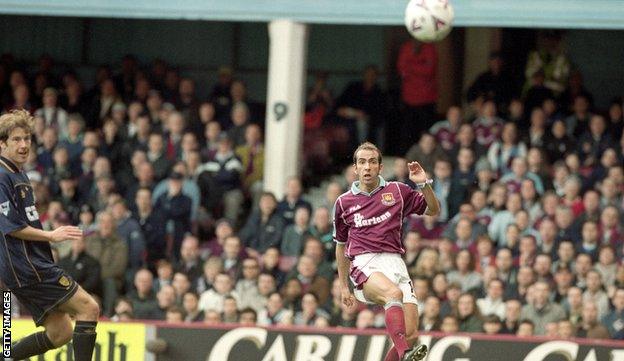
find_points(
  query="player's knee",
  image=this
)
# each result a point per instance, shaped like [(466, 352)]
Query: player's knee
[(91, 310), (394, 294), (60, 335)]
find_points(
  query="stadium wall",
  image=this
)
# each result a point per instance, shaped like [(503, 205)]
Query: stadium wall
[(192, 342)]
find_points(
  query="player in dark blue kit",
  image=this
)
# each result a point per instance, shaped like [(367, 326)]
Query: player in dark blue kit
[(26, 264)]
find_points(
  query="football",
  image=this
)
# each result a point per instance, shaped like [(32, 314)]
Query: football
[(429, 20)]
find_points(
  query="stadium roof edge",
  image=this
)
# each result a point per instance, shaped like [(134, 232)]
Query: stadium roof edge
[(586, 14)]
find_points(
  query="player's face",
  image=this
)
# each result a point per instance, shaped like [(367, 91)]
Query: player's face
[(367, 168), (17, 146)]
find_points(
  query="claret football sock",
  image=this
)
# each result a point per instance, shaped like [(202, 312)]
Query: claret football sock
[(395, 325)]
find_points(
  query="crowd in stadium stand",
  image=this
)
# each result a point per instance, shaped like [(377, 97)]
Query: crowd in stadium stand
[(167, 188)]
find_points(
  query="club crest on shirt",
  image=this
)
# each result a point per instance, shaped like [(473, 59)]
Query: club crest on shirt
[(387, 199), (4, 208), (64, 281)]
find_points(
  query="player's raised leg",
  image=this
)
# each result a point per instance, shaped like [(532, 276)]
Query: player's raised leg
[(58, 331), (86, 312), (380, 290)]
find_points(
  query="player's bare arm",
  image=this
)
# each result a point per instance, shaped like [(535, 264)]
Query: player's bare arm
[(418, 175), (63, 233), (343, 270)]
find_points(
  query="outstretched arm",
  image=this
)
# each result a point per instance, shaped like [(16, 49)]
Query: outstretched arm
[(64, 233), (418, 175)]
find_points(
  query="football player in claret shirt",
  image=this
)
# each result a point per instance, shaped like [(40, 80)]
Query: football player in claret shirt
[(368, 222), (26, 264)]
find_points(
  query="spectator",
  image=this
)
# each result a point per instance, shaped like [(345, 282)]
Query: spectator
[(112, 253), (464, 273), (502, 152), (251, 154), (211, 268), (176, 209), (494, 83), (165, 299), (307, 274), (83, 268), (164, 272), (295, 234), (542, 311), (511, 322), (445, 131), (596, 294), (129, 230), (590, 326), (493, 303), (417, 65), (152, 224), (248, 317), (614, 321), (232, 255), (174, 315), (230, 310), (247, 286), (426, 152), (224, 170), (264, 227), (492, 325), (526, 328), (274, 313), (566, 329), (142, 296), (292, 200), (430, 318), (214, 298), (450, 325), (487, 127), (310, 311), (190, 264), (468, 314), (54, 116), (322, 229)]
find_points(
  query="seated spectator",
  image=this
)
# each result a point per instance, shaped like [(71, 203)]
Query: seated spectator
[(214, 298), (181, 285), (541, 310), (590, 326), (493, 303), (142, 296), (293, 200), (445, 131), (501, 153), (164, 273), (470, 319), (464, 273), (212, 318), (322, 229), (230, 310), (274, 313), (123, 310), (190, 263), (614, 320), (247, 286), (512, 317), (129, 230), (450, 325), (492, 325), (488, 126), (232, 256), (596, 293), (165, 299), (565, 329), (190, 303), (224, 170), (248, 317), (310, 311), (525, 328), (211, 268), (365, 319), (175, 314), (295, 233), (83, 268), (264, 227), (426, 151), (400, 172), (270, 264), (430, 318), (313, 248)]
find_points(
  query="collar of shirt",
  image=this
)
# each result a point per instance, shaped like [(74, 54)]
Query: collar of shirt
[(355, 187)]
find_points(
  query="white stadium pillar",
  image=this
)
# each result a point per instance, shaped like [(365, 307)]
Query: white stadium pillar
[(288, 43)]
